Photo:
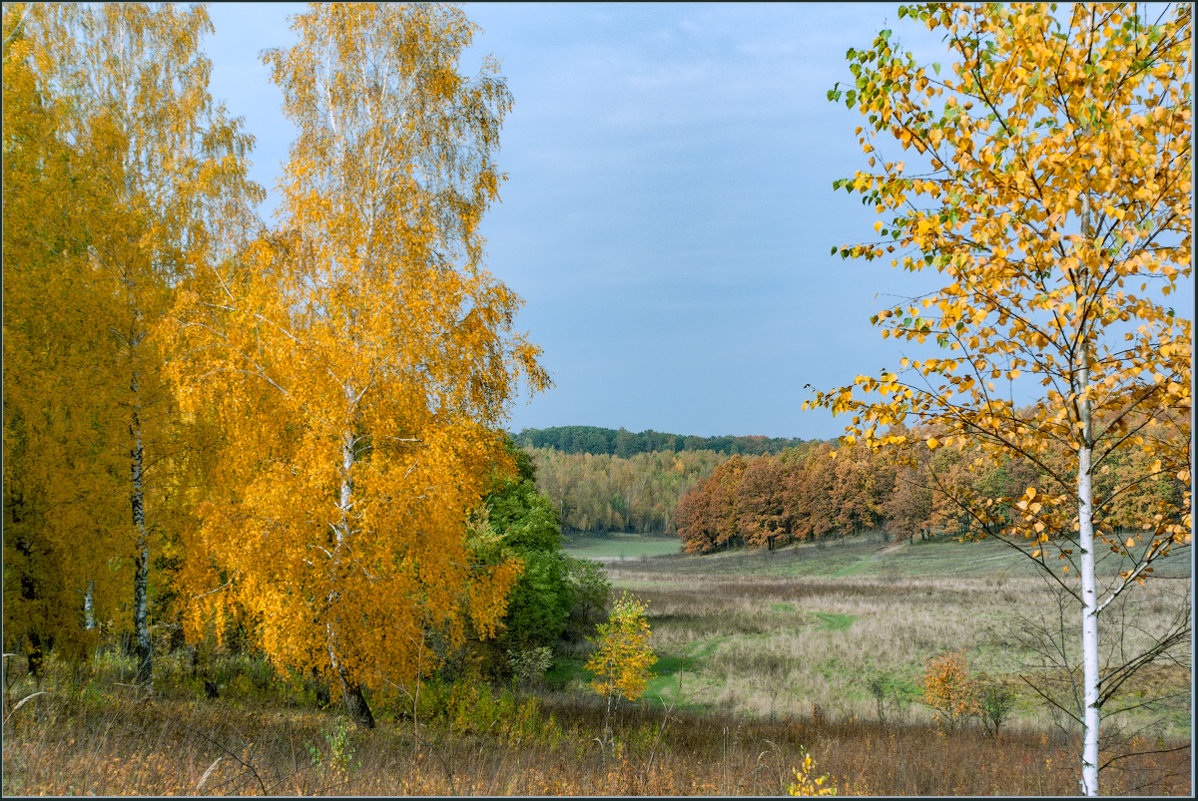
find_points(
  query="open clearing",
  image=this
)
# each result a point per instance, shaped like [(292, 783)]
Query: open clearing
[(620, 547), (845, 628)]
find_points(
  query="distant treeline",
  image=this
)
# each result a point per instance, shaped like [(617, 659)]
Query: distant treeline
[(597, 493), (812, 493), (625, 444)]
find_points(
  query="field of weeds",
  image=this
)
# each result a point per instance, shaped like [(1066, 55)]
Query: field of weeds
[(846, 630), (123, 745), (760, 661)]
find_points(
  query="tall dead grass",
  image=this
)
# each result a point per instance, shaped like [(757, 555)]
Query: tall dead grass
[(153, 746), (769, 665), (776, 646)]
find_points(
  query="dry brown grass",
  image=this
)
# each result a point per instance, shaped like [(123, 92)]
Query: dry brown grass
[(773, 646), (777, 662), (119, 745)]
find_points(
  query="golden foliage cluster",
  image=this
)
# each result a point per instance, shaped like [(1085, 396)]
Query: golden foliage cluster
[(949, 689), (806, 783), (309, 413), (120, 177), (1050, 185), (360, 359), (624, 658), (1046, 125)]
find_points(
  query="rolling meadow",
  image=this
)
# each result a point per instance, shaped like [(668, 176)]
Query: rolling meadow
[(763, 657)]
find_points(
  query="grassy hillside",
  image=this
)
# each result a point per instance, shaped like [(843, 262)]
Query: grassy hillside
[(867, 555), (847, 628), (760, 655), (620, 546)]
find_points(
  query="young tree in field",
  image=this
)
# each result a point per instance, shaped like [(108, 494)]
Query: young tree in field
[(949, 689), (624, 656), (124, 177), (1050, 186), (360, 361)]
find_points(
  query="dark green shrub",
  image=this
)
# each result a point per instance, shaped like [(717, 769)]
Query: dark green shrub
[(996, 701)]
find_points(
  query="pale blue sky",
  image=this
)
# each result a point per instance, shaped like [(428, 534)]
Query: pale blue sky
[(669, 212)]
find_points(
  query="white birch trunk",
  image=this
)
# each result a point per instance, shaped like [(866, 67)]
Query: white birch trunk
[(123, 87), (89, 609), (351, 692), (347, 486), (1090, 677), (1089, 590)]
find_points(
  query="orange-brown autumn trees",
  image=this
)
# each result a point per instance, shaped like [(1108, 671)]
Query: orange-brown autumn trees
[(708, 517), (766, 501), (809, 494)]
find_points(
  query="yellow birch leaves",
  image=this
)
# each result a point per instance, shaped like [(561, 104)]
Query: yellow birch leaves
[(1046, 124), (360, 359), (120, 177), (624, 657)]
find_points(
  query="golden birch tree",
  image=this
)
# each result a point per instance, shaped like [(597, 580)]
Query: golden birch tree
[(1050, 185), (125, 176), (59, 519), (360, 360), (623, 659)]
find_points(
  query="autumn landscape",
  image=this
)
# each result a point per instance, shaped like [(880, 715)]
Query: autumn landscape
[(269, 529)]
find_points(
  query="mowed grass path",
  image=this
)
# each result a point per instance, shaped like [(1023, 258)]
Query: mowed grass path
[(845, 629), (616, 547)]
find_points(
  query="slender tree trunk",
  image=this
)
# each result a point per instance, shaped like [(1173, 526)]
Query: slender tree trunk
[(607, 721), (89, 610), (1085, 516), (355, 701), (1089, 620), (351, 692), (141, 557), (1089, 605), (35, 660)]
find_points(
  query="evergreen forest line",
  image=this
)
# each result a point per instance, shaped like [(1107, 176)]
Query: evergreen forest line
[(625, 444)]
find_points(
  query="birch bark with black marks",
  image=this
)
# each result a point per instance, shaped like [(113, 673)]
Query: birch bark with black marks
[(141, 556)]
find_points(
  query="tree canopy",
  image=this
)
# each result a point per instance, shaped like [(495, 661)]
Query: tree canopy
[(360, 358), (1049, 184)]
